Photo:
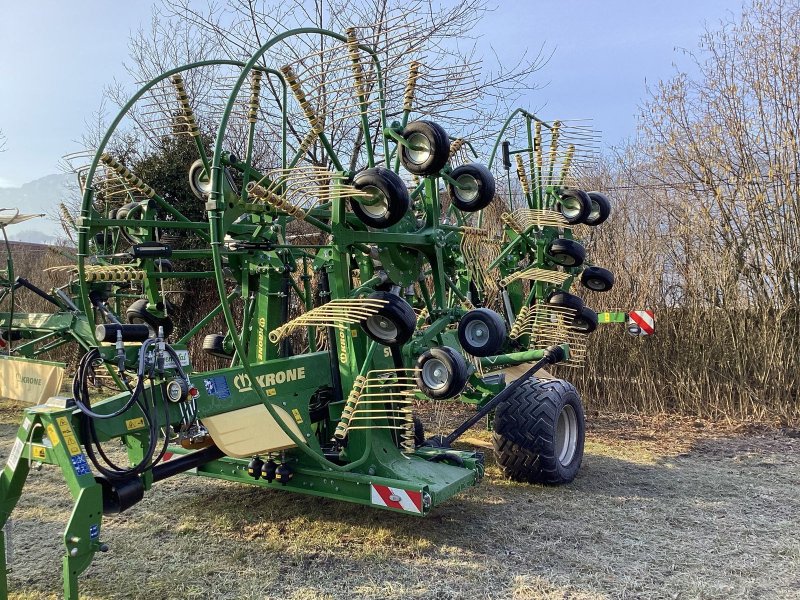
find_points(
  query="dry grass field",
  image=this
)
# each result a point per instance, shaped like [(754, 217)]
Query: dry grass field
[(662, 508)]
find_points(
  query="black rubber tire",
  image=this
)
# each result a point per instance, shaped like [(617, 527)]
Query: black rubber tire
[(16, 335), (397, 314), (138, 313), (597, 279), (214, 344), (393, 193), (525, 432), (474, 174), (494, 330), (574, 205), (456, 368), (438, 142), (585, 321), (565, 299), (567, 253), (419, 432), (601, 209)]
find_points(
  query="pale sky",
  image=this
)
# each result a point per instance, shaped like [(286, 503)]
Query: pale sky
[(58, 55)]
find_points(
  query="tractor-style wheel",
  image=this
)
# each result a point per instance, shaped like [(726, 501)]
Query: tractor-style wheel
[(390, 200), (601, 209), (214, 344), (394, 323), (597, 279), (585, 321), (138, 313), (443, 373), (539, 433), (430, 148), (574, 205), (565, 299), (475, 187), (482, 332), (199, 180), (567, 253)]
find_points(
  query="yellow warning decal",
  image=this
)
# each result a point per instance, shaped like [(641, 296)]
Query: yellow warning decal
[(53, 435), (272, 392), (38, 452), (134, 423), (69, 436), (354, 332), (297, 416)]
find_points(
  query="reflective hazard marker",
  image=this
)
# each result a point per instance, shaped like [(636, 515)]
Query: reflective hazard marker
[(645, 320), (397, 498)]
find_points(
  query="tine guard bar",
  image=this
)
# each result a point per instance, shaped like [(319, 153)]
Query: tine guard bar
[(552, 355)]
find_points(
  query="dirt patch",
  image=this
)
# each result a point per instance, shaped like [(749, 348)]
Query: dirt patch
[(662, 508)]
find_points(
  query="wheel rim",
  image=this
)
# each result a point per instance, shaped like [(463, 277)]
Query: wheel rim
[(382, 327), (435, 374), (596, 284), (580, 324), (476, 333), (422, 151), (566, 435), (378, 206), (564, 259), (201, 182), (570, 208), (467, 190)]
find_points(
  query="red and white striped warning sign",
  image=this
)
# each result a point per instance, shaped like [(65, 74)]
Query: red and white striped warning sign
[(407, 500), (645, 319)]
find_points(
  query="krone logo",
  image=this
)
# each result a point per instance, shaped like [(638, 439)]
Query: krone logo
[(243, 384)]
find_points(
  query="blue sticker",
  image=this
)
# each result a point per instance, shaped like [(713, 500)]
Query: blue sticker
[(94, 532), (217, 386), (80, 465)]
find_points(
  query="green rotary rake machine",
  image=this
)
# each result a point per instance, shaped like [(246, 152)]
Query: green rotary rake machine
[(357, 273)]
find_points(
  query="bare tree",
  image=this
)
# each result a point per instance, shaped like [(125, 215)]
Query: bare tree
[(454, 87), (706, 231)]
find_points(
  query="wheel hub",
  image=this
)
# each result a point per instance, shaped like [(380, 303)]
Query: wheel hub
[(382, 327), (419, 149), (477, 333), (435, 374)]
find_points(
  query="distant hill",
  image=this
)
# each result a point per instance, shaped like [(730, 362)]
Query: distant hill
[(39, 196)]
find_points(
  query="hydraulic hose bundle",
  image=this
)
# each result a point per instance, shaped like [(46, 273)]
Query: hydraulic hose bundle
[(141, 395)]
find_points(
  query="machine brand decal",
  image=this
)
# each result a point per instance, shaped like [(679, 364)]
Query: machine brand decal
[(217, 386), (645, 319), (262, 323), (25, 380), (390, 497), (16, 452), (242, 381), (38, 452), (342, 347), (137, 423), (183, 357)]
